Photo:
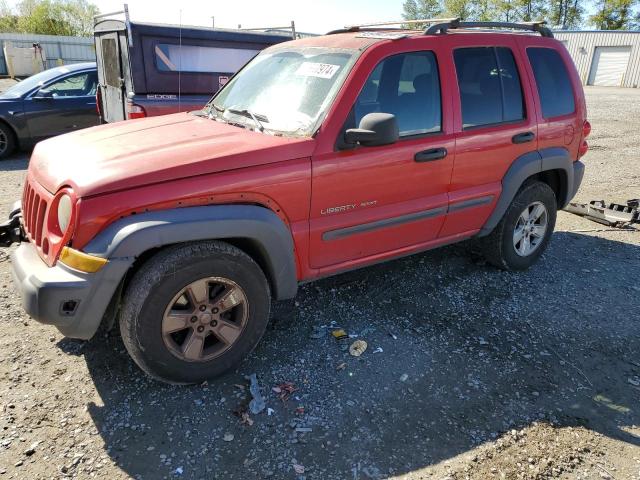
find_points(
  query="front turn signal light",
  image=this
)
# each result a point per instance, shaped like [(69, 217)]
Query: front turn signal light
[(81, 261)]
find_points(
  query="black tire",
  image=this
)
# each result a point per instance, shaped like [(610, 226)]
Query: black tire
[(156, 284), (7, 141), (498, 247)]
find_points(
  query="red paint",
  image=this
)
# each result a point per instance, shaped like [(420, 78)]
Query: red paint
[(183, 160)]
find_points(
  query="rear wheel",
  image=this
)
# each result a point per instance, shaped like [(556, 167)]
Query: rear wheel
[(194, 311), (7, 141), (525, 230)]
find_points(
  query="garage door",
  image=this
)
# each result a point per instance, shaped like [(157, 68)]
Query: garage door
[(609, 65)]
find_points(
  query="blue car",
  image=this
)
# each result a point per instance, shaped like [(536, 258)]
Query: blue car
[(56, 101)]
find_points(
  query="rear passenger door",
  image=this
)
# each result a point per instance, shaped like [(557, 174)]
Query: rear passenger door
[(495, 124)]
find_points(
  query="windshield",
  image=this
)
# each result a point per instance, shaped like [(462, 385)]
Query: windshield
[(285, 91), (34, 81)]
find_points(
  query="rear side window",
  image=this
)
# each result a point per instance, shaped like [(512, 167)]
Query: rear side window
[(194, 58), (490, 89), (408, 86), (552, 79)]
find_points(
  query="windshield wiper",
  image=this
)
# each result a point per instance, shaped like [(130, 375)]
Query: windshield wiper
[(248, 113)]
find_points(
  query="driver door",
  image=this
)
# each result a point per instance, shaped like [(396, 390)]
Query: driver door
[(62, 106), (372, 202)]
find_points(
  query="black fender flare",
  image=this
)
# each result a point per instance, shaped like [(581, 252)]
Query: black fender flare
[(528, 165), (130, 237)]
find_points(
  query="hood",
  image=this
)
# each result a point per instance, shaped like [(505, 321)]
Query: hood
[(132, 153)]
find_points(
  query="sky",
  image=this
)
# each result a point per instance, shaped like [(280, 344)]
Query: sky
[(317, 16)]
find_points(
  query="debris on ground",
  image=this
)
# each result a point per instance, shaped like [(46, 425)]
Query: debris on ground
[(404, 377), (299, 469), (609, 214), (357, 348), (284, 390), (342, 366), (339, 334), (228, 437), (257, 403)]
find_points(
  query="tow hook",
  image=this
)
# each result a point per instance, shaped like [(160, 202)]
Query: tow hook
[(10, 231)]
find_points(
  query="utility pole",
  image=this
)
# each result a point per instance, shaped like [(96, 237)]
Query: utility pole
[(213, 22)]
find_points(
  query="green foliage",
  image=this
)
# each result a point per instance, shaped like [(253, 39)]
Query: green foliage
[(49, 17), (615, 15), (482, 10), (566, 14), (462, 9), (418, 9)]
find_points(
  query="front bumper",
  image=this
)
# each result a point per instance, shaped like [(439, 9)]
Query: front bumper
[(75, 302)]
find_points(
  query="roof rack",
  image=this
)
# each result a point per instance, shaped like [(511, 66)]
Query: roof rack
[(291, 27), (456, 23), (127, 20), (367, 26)]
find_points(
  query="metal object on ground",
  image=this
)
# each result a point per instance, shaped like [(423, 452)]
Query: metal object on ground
[(10, 230), (610, 214)]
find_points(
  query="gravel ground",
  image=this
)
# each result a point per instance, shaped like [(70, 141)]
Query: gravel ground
[(470, 372)]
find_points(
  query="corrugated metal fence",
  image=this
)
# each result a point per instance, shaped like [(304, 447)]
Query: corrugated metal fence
[(58, 49), (582, 46)]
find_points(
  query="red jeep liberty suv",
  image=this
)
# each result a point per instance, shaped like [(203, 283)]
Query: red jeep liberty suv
[(321, 155)]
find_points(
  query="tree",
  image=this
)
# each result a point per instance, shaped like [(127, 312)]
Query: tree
[(49, 17), (566, 14), (418, 9), (8, 21), (462, 9), (530, 10), (614, 15)]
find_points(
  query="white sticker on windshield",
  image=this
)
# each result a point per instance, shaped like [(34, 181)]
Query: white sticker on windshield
[(321, 70)]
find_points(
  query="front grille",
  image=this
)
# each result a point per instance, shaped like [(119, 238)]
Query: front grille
[(35, 202)]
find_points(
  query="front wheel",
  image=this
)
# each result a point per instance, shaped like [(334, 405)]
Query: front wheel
[(525, 230), (194, 311)]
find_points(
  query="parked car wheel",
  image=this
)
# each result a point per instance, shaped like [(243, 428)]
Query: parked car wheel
[(7, 141), (194, 311), (525, 230)]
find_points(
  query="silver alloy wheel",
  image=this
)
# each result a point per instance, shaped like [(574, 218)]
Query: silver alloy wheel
[(4, 142), (204, 319), (530, 229)]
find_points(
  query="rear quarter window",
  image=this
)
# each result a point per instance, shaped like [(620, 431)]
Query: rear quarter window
[(552, 81)]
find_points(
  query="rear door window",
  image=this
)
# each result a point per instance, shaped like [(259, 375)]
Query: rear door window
[(490, 88), (408, 86), (553, 82)]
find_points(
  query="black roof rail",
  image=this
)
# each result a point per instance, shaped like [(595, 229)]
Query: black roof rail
[(538, 27), (365, 27)]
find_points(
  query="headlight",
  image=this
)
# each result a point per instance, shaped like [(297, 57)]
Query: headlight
[(64, 212)]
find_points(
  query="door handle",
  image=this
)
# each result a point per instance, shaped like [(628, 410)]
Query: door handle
[(523, 137), (430, 155)]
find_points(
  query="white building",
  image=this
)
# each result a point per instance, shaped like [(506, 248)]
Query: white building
[(607, 58)]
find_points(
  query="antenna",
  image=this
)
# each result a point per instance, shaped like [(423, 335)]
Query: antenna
[(180, 65)]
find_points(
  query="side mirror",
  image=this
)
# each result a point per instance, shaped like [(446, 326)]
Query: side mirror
[(374, 129), (43, 94)]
